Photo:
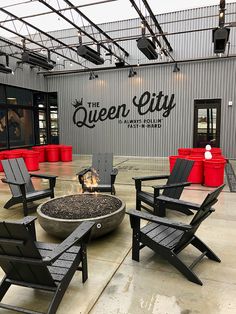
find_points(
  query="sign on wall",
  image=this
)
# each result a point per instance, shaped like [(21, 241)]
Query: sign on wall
[(88, 114)]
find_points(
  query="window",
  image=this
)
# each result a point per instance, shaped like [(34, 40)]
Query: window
[(27, 117), (3, 128), (18, 96), (20, 126)]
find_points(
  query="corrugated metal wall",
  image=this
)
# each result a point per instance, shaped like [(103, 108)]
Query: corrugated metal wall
[(199, 80), (196, 80), (24, 77)]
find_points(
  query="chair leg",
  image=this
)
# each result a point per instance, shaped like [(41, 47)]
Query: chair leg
[(25, 208), (52, 194), (61, 288), (173, 259), (159, 209), (4, 286), (138, 203), (113, 190), (135, 246), (197, 243), (10, 203), (84, 263)]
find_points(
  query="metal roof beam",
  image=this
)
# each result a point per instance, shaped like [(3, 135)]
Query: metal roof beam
[(97, 27), (81, 30), (147, 25), (42, 32), (157, 25), (50, 12)]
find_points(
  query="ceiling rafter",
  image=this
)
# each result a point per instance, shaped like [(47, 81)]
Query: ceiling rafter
[(158, 26), (146, 24), (27, 24), (96, 27), (82, 31), (50, 12)]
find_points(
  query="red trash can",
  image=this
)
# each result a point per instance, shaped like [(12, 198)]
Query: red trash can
[(66, 152), (2, 156), (216, 152), (199, 151), (41, 151), (10, 154), (196, 174), (184, 151), (52, 153), (214, 172), (31, 159), (172, 160)]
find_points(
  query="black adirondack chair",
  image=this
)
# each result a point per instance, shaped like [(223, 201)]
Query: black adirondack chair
[(38, 265), (102, 169), (173, 188), (169, 238), (21, 186)]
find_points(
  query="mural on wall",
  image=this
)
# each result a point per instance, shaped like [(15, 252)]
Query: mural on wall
[(89, 114)]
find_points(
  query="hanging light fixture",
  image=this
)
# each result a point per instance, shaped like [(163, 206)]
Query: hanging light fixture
[(132, 73), (176, 68), (92, 76)]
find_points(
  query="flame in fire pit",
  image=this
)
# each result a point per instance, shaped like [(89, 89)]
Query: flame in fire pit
[(91, 179)]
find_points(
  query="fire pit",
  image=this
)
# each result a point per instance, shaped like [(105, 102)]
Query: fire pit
[(61, 215)]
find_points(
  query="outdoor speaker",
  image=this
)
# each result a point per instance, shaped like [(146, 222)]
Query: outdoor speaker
[(90, 54), (147, 47), (220, 38)]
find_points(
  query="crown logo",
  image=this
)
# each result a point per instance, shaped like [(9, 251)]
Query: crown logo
[(76, 103)]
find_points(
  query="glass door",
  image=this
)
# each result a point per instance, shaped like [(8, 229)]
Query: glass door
[(206, 122), (53, 116), (41, 125)]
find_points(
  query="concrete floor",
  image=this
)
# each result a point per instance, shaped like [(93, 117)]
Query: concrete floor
[(118, 285)]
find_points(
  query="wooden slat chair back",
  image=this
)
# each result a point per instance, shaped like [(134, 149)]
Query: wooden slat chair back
[(15, 170), (103, 164), (102, 168), (206, 206), (202, 213), (179, 174), (19, 180), (39, 265), (19, 257), (173, 188)]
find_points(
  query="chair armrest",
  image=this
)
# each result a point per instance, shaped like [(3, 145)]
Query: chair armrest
[(28, 220), (82, 172), (149, 178), (163, 221), (171, 186), (80, 234), (22, 183), (44, 176), (180, 203)]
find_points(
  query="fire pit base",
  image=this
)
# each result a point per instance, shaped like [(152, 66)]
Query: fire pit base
[(61, 215)]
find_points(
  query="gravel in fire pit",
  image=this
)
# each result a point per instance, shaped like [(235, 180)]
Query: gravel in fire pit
[(81, 206)]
